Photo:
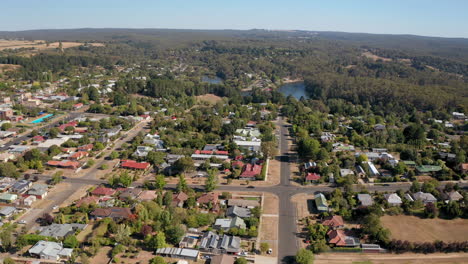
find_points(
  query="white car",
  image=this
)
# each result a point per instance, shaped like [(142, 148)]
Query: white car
[(55, 207), (269, 251), (23, 222)]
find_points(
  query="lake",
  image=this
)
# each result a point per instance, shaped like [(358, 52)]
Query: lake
[(296, 89), (215, 80)]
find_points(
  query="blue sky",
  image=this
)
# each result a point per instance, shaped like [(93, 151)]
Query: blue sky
[(446, 18)]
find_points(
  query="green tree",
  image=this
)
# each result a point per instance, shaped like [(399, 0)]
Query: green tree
[(53, 132), (240, 261), (114, 155), (264, 247), (182, 184), (71, 242), (174, 234), (167, 199), (211, 181), (304, 256), (6, 126), (160, 181), (184, 164), (157, 260), (8, 260)]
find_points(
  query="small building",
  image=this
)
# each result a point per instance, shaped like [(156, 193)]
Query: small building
[(243, 203), (371, 248), (365, 199), (8, 197), (250, 171), (28, 201), (250, 145), (7, 211), (312, 177), (423, 169), (334, 222), (346, 172), (147, 195), (453, 196), (342, 238), (393, 199), (60, 231), (222, 259), (130, 194), (50, 251), (179, 199), (321, 202), (182, 253), (425, 197), (116, 213), (103, 191), (237, 211), (21, 186), (39, 190), (208, 198), (66, 164), (228, 223), (133, 165)]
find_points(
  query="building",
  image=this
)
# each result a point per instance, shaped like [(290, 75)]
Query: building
[(78, 155), (216, 244), (39, 190), (237, 211), (133, 165), (147, 195), (222, 259), (179, 199), (7, 211), (424, 197), (182, 253), (423, 169), (334, 222), (346, 172), (66, 164), (50, 251), (208, 198), (142, 151), (372, 169), (116, 213), (250, 171), (8, 197), (28, 201), (20, 187), (453, 196), (130, 193), (60, 231), (250, 145), (393, 199), (365, 199), (6, 113), (312, 177), (228, 223), (243, 203), (103, 191), (321, 202), (342, 238)]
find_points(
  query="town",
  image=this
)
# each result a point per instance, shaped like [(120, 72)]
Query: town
[(162, 161)]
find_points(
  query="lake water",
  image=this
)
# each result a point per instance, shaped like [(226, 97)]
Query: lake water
[(215, 80), (296, 89)]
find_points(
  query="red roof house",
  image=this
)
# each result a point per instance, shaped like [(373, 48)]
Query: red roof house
[(87, 147), (78, 105), (340, 238), (207, 198), (116, 213), (333, 222), (133, 165), (87, 200), (312, 177), (251, 171), (64, 164), (103, 191), (78, 155)]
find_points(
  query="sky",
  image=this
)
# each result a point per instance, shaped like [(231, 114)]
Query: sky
[(443, 18)]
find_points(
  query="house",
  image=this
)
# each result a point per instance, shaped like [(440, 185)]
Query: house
[(243, 203), (130, 194), (425, 197), (346, 172), (147, 195), (179, 199), (60, 231), (78, 155), (423, 169), (39, 190), (7, 211), (250, 171), (21, 186), (182, 253), (372, 169), (50, 251), (228, 223), (18, 150), (379, 127), (334, 222), (116, 213), (87, 147), (250, 145), (365, 199), (393, 199), (321, 202), (189, 241), (77, 106), (222, 259), (236, 211), (312, 177), (208, 198), (5, 157), (371, 248), (216, 244), (113, 131), (172, 158), (133, 165), (8, 197), (87, 200), (339, 147), (410, 164), (103, 191), (341, 238), (64, 164), (28, 201), (142, 151), (38, 139), (309, 165), (453, 196)]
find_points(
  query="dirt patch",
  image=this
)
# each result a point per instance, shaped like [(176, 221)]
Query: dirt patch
[(102, 256), (407, 258), (9, 67), (140, 257), (269, 222), (415, 229), (374, 57), (209, 98), (303, 202), (40, 44)]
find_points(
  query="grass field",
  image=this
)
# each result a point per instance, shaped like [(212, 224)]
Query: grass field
[(209, 98), (415, 229), (40, 44)]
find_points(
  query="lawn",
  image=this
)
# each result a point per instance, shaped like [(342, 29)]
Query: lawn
[(416, 229)]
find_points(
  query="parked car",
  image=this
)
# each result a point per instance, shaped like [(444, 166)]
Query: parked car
[(22, 222)]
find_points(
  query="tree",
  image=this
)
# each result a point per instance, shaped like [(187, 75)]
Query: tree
[(240, 261), (155, 157), (56, 178), (211, 181), (53, 132), (430, 210), (114, 155), (5, 239), (304, 256), (182, 184), (184, 164), (8, 260), (158, 241), (415, 187), (6, 126), (174, 234), (167, 199), (157, 260), (264, 247), (70, 242), (160, 182), (269, 149)]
